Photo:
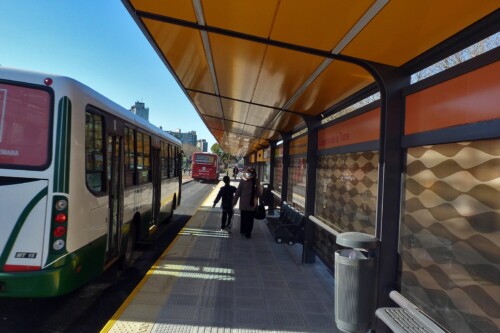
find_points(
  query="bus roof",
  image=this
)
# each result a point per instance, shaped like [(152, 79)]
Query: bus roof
[(68, 84)]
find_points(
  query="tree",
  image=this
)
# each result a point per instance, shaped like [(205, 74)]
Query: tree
[(472, 51), (216, 149), (224, 157)]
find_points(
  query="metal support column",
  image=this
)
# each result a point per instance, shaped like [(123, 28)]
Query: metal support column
[(272, 164), (308, 256), (389, 181), (286, 164)]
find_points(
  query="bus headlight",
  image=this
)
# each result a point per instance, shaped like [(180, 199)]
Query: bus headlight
[(61, 204), (58, 244)]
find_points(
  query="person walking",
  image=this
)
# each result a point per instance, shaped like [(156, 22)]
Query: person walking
[(226, 193), (235, 171), (248, 193)]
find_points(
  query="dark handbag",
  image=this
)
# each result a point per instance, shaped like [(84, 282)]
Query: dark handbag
[(260, 212)]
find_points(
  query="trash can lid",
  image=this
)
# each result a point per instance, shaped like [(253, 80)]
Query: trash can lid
[(357, 240)]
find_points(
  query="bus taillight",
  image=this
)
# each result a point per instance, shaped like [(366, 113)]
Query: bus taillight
[(59, 231), (59, 225), (61, 218)]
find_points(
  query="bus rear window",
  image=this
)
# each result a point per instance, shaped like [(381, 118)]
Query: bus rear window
[(205, 159), (24, 126)]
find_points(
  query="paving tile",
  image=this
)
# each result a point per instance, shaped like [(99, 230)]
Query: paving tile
[(313, 307), (254, 317), (282, 305), (249, 303), (289, 319), (183, 299)]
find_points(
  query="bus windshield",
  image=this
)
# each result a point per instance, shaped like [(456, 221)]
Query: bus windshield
[(24, 126)]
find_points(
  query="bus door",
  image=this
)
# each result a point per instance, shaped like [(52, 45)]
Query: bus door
[(155, 164), (115, 183)]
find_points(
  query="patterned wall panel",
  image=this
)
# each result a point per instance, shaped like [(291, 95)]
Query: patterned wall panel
[(278, 174), (450, 234), (297, 182), (346, 191), (324, 246)]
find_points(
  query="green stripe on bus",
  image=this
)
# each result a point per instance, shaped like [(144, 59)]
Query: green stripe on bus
[(19, 224), (62, 276), (61, 170)]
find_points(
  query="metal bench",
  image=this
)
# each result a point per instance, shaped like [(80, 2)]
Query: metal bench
[(288, 226)]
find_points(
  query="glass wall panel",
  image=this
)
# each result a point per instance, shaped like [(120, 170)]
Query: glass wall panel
[(450, 234), (346, 191), (278, 174), (278, 169)]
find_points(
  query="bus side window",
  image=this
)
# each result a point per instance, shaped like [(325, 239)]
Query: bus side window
[(164, 160), (145, 176), (177, 162), (171, 162), (143, 157), (129, 157), (94, 152)]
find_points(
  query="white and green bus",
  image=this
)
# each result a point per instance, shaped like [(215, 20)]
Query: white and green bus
[(81, 181)]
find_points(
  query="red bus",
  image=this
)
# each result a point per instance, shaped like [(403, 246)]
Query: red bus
[(205, 166)]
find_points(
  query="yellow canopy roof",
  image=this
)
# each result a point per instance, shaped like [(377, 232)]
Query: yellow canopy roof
[(254, 68)]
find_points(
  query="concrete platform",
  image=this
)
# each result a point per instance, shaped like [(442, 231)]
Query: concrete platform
[(209, 280)]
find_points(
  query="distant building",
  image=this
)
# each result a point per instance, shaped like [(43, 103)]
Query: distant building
[(140, 110), (189, 137), (202, 144)]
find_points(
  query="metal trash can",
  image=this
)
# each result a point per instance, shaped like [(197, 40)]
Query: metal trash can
[(356, 277)]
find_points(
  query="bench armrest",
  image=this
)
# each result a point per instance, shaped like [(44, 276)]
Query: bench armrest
[(407, 318), (403, 320)]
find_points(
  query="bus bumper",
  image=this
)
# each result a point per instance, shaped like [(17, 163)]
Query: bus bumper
[(72, 271), (43, 283)]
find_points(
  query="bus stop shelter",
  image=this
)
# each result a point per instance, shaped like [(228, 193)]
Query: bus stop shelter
[(282, 76)]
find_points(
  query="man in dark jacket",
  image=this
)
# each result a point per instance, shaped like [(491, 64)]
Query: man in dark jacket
[(226, 192)]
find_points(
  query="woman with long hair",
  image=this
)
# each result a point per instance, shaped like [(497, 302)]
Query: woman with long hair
[(248, 192)]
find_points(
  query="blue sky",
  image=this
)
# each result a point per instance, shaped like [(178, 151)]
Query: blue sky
[(97, 43)]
